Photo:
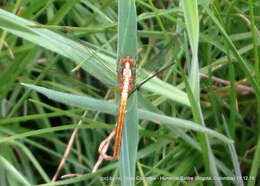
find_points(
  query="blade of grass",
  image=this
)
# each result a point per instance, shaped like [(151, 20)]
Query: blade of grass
[(193, 85), (110, 108), (49, 130), (127, 46), (13, 172), (254, 39), (59, 15), (234, 158), (4, 34), (231, 78), (33, 160), (256, 160), (15, 69)]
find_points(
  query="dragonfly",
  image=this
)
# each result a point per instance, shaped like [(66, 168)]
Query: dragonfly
[(127, 66), (126, 69)]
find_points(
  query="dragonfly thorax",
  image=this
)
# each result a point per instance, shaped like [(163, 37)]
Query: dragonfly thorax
[(126, 74)]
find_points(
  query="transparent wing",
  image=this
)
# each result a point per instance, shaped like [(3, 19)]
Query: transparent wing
[(95, 60), (104, 58), (102, 64), (159, 58)]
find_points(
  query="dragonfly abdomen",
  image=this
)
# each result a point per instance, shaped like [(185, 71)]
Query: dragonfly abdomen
[(120, 124), (126, 80)]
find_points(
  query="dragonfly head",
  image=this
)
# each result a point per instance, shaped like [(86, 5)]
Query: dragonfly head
[(128, 59)]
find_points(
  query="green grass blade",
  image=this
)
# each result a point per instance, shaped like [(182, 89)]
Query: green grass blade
[(256, 161), (12, 73), (73, 100), (12, 172), (110, 108), (234, 157), (127, 46), (192, 25), (59, 15), (33, 160)]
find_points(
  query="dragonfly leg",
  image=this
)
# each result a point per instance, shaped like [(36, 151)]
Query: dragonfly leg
[(104, 146)]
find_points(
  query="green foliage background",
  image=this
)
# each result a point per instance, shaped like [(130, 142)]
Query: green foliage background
[(198, 118)]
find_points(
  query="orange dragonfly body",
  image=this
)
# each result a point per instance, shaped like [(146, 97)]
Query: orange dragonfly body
[(126, 75), (127, 66)]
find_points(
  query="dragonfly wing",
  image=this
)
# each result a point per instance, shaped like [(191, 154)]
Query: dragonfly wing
[(95, 61), (157, 61)]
